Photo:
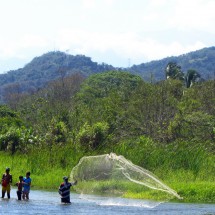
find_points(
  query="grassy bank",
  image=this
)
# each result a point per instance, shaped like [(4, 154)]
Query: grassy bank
[(196, 192), (50, 176)]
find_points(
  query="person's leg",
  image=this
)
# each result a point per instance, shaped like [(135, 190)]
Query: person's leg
[(23, 195), (8, 191), (19, 195), (27, 195), (3, 192), (63, 200), (67, 199), (8, 195)]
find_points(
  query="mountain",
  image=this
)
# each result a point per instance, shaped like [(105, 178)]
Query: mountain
[(53, 65), (203, 61), (48, 67)]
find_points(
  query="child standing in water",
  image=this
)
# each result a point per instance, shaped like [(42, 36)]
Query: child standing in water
[(6, 181), (26, 186), (19, 184)]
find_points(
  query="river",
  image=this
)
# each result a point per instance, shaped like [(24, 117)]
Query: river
[(45, 202)]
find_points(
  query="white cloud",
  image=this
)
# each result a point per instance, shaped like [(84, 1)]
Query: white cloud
[(194, 14), (30, 40), (141, 30), (12, 48), (125, 45), (89, 4)]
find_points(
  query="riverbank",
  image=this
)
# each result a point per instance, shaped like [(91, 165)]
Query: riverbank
[(191, 192), (49, 178)]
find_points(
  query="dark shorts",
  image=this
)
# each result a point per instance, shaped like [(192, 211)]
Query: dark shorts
[(19, 194)]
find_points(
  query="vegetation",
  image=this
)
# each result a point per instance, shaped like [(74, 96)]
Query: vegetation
[(164, 127), (46, 68), (201, 60), (54, 65)]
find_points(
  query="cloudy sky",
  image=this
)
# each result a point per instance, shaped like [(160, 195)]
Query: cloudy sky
[(117, 32)]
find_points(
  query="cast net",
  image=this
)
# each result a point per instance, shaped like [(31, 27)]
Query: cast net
[(113, 175)]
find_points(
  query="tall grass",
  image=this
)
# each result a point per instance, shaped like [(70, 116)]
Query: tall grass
[(47, 166), (187, 168), (190, 157)]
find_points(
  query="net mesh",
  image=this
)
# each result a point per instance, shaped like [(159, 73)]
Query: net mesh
[(110, 174)]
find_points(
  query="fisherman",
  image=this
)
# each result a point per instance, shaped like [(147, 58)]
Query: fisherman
[(64, 190), (6, 180)]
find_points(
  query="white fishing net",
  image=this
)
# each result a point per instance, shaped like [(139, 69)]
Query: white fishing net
[(113, 175)]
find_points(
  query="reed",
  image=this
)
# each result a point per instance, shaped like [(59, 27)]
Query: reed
[(47, 170)]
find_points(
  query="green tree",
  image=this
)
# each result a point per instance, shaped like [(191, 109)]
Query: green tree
[(104, 98), (174, 71), (195, 117), (191, 77)]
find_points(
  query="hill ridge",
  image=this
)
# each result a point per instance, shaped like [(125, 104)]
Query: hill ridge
[(55, 64)]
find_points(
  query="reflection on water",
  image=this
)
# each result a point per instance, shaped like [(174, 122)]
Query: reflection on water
[(43, 202)]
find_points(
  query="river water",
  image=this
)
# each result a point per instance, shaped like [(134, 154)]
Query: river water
[(44, 202)]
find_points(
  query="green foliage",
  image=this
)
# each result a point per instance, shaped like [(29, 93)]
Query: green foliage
[(195, 125), (200, 60), (8, 118), (57, 132), (203, 191), (104, 98), (17, 139), (6, 112), (191, 77), (196, 116), (152, 107), (44, 174), (14, 136), (93, 137), (164, 127), (190, 156)]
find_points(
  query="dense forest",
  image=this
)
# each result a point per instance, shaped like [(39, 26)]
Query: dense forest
[(115, 111)]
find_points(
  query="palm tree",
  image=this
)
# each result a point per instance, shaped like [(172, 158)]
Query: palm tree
[(174, 71), (191, 77)]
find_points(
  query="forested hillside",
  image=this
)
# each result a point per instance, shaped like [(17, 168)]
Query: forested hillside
[(203, 61), (54, 65), (43, 69)]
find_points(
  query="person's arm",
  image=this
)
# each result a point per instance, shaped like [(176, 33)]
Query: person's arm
[(29, 183), (11, 179), (74, 183), (60, 190)]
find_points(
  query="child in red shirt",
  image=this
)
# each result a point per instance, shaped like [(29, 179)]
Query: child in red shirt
[(19, 185)]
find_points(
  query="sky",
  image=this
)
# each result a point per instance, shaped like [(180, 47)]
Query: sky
[(117, 32)]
